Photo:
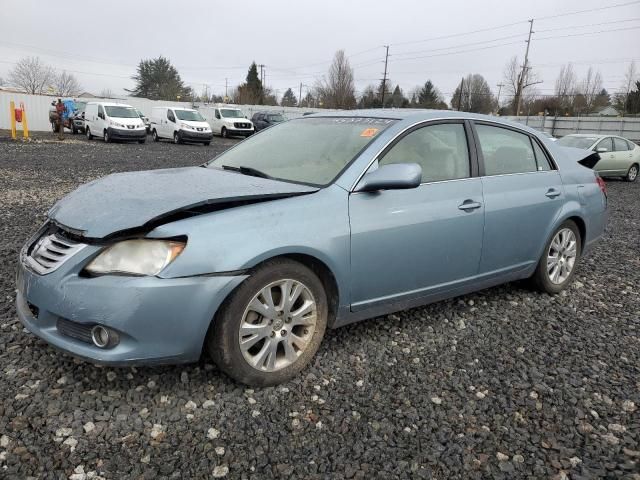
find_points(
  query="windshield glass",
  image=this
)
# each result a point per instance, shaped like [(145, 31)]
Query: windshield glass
[(577, 142), (140, 114), (121, 112), (79, 106), (189, 115), (231, 113), (310, 150), (276, 118)]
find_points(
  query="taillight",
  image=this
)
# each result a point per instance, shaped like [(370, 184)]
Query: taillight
[(602, 185)]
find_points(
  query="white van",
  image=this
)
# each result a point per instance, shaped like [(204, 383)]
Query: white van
[(113, 121), (230, 121), (180, 125)]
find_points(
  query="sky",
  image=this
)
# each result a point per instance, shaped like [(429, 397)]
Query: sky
[(214, 42)]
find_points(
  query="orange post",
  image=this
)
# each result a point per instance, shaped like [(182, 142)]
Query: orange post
[(12, 109), (25, 127)]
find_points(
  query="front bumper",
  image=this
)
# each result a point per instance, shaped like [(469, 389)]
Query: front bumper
[(157, 320), (195, 136), (239, 132), (127, 134)]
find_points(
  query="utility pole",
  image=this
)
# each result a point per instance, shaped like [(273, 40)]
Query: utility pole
[(300, 94), (226, 87), (500, 85), (262, 73), (460, 93), (384, 78), (523, 74)]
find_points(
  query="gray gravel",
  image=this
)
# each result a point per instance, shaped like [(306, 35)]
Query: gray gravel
[(505, 383)]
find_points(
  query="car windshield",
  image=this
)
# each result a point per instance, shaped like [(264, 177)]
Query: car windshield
[(189, 115), (140, 114), (276, 118), (79, 106), (311, 150), (231, 113), (121, 112), (577, 142)]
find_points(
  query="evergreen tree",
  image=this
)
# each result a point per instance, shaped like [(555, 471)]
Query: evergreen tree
[(251, 92), (289, 99), (157, 79)]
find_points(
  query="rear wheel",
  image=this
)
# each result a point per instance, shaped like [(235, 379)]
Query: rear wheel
[(559, 260), (88, 133), (271, 326), (632, 174)]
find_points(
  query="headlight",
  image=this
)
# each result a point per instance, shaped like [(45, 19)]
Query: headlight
[(137, 257)]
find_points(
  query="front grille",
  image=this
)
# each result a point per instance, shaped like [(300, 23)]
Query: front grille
[(50, 252), (75, 330), (241, 125), (130, 127)]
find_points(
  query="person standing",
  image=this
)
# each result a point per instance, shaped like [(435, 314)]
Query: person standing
[(60, 109)]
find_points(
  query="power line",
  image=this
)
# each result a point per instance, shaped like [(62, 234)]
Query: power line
[(588, 33), (588, 10), (569, 27)]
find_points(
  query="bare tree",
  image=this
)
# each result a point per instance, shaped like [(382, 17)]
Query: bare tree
[(511, 78), (338, 90), (31, 75), (473, 94), (107, 93), (566, 87), (66, 85), (630, 77), (590, 88)]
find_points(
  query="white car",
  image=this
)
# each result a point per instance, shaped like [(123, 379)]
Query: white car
[(619, 157), (180, 125), (113, 121), (231, 122)]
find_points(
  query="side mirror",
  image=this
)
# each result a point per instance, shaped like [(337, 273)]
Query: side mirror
[(82, 115), (101, 115), (601, 150), (395, 176)]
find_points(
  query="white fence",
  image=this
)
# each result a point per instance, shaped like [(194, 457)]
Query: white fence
[(37, 108), (628, 127)]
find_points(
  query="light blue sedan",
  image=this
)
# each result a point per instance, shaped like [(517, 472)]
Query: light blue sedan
[(311, 224)]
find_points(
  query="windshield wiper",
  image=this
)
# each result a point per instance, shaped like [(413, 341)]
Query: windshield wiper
[(247, 171)]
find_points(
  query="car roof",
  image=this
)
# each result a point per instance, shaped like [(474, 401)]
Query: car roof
[(589, 135), (110, 104)]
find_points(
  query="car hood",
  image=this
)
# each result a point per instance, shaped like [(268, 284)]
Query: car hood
[(125, 203)]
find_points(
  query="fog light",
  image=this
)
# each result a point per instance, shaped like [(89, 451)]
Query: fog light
[(100, 336)]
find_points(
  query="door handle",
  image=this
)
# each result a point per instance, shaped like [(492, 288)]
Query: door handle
[(552, 193), (469, 205)]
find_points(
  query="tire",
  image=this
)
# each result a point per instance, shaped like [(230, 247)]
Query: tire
[(632, 174), (154, 136), (223, 133), (106, 137), (206, 144), (88, 134), (176, 138), (223, 339), (543, 278), (142, 141), (74, 130)]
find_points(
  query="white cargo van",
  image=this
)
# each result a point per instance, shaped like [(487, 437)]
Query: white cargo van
[(113, 121), (180, 125), (230, 121)]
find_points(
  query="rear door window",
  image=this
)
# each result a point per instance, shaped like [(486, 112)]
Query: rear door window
[(505, 151), (620, 145), (541, 158)]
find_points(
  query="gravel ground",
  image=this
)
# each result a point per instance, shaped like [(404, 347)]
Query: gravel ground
[(505, 383)]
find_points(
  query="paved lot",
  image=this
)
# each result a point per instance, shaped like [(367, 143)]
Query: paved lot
[(506, 383)]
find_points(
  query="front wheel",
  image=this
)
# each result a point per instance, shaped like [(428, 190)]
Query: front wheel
[(206, 144), (559, 260), (141, 141), (271, 326), (106, 137), (88, 133), (154, 136), (223, 133), (632, 174), (176, 138)]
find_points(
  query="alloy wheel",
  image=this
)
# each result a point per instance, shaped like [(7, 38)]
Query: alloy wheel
[(277, 325), (561, 256), (633, 173)]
